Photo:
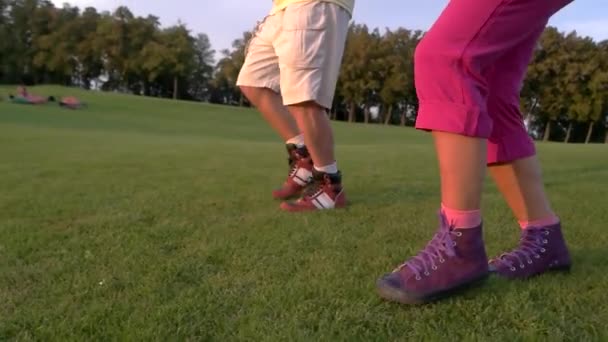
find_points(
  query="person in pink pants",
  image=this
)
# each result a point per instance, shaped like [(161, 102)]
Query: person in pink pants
[(469, 70)]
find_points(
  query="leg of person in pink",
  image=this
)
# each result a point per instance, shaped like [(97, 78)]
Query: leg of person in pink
[(516, 171), (459, 64)]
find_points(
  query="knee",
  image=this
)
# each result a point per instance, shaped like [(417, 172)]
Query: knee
[(436, 55), (308, 108), (436, 70), (448, 71), (431, 56)]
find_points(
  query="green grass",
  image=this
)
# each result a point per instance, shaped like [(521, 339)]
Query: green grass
[(145, 219)]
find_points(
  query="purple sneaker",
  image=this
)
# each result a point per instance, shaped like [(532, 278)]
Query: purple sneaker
[(540, 250), (452, 260)]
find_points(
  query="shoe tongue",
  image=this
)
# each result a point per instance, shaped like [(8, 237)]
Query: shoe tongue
[(532, 236)]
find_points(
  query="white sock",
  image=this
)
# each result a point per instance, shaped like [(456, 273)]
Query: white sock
[(331, 168), (298, 140)]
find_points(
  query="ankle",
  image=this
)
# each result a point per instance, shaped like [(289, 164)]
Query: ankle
[(331, 179), (462, 219), (539, 223)]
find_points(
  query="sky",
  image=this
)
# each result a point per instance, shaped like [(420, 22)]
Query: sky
[(225, 20)]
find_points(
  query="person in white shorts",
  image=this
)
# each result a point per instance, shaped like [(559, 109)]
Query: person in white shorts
[(290, 72)]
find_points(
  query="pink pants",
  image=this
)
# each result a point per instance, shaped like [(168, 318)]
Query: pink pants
[(470, 67)]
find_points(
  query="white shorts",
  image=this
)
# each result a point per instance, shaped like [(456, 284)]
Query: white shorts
[(297, 52)]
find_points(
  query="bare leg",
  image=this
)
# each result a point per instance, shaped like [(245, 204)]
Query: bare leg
[(270, 104), (462, 165), (327, 192), (520, 182), (314, 123), (274, 112)]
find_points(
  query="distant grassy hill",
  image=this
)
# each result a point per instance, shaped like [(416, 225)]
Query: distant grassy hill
[(151, 219)]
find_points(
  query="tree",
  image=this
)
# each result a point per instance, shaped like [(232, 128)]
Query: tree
[(181, 55), (4, 41), (357, 78), (90, 62), (55, 48), (26, 24), (580, 69), (227, 72), (564, 97), (598, 94), (545, 77), (564, 85), (202, 75), (392, 71), (112, 43), (397, 69)]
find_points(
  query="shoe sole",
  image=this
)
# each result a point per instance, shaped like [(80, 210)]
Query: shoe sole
[(307, 210), (287, 207), (393, 294)]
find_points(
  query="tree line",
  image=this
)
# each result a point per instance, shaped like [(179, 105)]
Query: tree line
[(564, 97), (40, 43)]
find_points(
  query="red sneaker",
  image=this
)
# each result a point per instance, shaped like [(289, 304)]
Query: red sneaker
[(300, 173), (324, 193)]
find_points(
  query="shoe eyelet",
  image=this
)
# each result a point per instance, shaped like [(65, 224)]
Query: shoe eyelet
[(537, 256), (434, 268), (427, 274), (530, 261), (545, 241), (454, 243), (522, 266), (418, 278), (546, 232), (512, 269), (543, 250), (442, 260), (459, 234)]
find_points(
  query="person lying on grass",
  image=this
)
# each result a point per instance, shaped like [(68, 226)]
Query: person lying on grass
[(24, 97), (71, 102), (36, 100)]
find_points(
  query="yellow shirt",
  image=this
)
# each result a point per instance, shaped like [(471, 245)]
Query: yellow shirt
[(278, 5)]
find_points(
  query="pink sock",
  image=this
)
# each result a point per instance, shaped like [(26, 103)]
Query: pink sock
[(548, 221), (462, 219)]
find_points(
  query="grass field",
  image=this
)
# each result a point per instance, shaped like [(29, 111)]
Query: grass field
[(144, 219)]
